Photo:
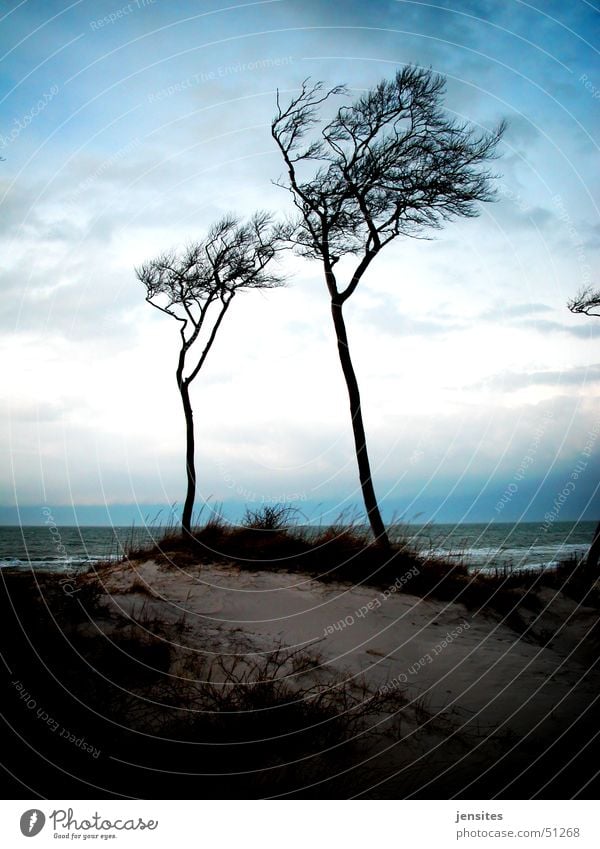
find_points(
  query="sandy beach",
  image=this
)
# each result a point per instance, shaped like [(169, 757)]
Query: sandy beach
[(469, 689)]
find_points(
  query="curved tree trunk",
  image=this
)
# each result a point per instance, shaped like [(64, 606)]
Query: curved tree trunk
[(186, 521), (594, 552), (360, 439)]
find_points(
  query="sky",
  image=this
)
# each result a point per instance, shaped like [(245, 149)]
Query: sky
[(128, 128)]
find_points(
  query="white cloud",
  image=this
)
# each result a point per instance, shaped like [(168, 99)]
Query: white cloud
[(462, 338)]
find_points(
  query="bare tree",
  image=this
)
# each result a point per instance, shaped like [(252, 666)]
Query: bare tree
[(391, 164), (197, 288), (587, 301)]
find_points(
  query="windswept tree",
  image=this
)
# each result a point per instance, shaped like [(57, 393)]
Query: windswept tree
[(197, 287), (587, 301), (393, 163)]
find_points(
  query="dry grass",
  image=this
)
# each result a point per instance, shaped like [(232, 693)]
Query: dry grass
[(271, 540), (242, 724), (228, 726)]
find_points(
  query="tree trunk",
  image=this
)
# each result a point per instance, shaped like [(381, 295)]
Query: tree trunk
[(186, 521), (594, 552), (360, 440)]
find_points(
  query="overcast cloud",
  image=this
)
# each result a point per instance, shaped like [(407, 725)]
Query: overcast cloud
[(127, 128)]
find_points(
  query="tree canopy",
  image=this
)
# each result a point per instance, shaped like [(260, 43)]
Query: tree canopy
[(587, 301), (197, 286), (393, 163)]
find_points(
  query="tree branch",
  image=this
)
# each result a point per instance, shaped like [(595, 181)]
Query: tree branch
[(211, 338)]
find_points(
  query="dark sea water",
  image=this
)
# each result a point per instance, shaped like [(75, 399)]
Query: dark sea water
[(524, 545), (59, 548)]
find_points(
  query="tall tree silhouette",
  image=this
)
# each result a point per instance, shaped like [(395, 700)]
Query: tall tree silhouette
[(587, 301), (391, 164), (197, 287)]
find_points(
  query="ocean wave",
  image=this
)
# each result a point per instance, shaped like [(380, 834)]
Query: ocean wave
[(490, 557), (57, 564)]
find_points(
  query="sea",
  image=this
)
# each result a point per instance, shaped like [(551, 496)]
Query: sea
[(487, 547)]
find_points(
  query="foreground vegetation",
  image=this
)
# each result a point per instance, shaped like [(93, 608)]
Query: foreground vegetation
[(99, 705), (103, 700), (271, 539)]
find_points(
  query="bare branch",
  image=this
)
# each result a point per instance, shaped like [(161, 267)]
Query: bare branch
[(225, 304), (234, 255), (390, 164), (587, 301)]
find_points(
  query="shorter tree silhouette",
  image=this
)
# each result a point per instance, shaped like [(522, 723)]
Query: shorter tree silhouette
[(587, 301), (197, 287)]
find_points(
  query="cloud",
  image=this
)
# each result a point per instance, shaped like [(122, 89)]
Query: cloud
[(124, 173), (579, 376), (502, 310), (28, 411), (389, 318), (542, 325), (521, 315)]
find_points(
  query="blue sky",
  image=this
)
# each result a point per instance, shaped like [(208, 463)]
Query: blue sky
[(127, 128)]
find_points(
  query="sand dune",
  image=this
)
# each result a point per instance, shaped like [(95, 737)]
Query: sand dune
[(472, 666)]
